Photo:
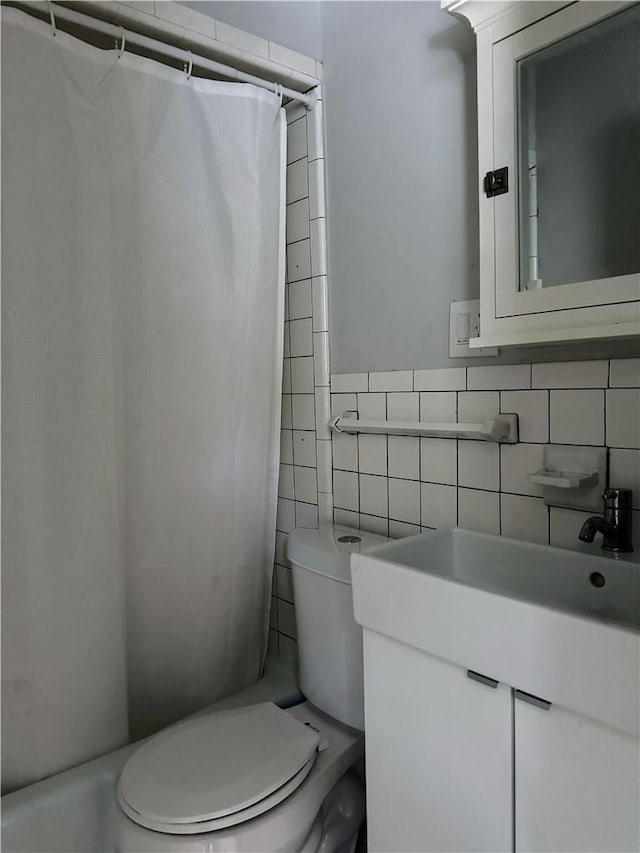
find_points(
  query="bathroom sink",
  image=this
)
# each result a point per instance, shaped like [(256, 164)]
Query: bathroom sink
[(562, 625), (596, 586)]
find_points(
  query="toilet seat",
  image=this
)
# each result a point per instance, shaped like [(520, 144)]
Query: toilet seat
[(218, 770)]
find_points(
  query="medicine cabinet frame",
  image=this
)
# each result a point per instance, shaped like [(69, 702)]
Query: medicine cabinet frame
[(605, 308)]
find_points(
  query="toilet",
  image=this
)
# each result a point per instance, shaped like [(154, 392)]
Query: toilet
[(260, 777)]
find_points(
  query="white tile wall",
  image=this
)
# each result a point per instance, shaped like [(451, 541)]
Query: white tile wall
[(477, 406), (623, 417), (625, 373), (349, 383), (438, 406), (300, 337), (442, 379), (524, 518), (286, 447), (298, 220), (433, 482), (570, 374), (439, 460), (438, 505), (297, 180), (374, 500), (393, 380), (479, 510), (532, 408), (404, 500), (299, 261), (372, 406), (502, 377), (403, 406), (345, 490), (517, 462), (306, 483), (297, 140), (341, 403), (345, 453), (300, 302), (624, 471), (577, 417), (303, 411), (372, 454), (479, 465), (304, 449), (301, 375), (403, 455)]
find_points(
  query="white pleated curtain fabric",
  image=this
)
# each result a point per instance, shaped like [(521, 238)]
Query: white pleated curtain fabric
[(142, 334)]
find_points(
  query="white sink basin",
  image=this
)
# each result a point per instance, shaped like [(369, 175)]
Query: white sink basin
[(594, 586), (538, 618)]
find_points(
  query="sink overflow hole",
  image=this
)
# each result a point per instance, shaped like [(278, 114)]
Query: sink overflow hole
[(597, 579)]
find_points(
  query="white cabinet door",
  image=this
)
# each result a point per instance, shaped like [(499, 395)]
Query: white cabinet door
[(576, 782), (438, 754)]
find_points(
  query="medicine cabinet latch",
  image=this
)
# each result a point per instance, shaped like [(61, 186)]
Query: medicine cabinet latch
[(497, 182)]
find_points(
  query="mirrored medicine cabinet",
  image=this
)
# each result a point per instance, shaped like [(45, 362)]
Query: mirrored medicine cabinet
[(559, 159)]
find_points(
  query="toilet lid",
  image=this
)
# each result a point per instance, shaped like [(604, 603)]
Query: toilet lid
[(215, 766)]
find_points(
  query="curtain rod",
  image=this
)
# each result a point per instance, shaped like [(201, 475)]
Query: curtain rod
[(62, 13)]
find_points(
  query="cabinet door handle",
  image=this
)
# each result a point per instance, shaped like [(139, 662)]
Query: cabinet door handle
[(482, 679), (532, 700)]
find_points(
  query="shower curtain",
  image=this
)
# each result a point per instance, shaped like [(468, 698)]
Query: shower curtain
[(142, 333)]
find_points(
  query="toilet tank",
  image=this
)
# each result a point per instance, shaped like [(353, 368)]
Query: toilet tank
[(329, 640)]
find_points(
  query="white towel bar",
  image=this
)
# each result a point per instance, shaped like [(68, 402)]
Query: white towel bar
[(502, 428)]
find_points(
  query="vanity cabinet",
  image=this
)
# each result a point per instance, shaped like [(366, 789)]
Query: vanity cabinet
[(455, 763), (502, 695), (559, 164)]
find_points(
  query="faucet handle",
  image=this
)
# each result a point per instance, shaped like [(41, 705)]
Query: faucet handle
[(617, 498), (612, 494)]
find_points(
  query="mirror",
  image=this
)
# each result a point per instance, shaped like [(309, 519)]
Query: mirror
[(579, 155)]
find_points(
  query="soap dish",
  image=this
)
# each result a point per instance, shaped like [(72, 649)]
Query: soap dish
[(572, 476), (564, 479)]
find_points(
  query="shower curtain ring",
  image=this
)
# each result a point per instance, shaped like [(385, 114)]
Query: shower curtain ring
[(122, 42), (53, 18), (279, 92), (189, 67)]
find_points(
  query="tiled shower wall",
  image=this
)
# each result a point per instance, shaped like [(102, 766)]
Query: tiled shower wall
[(304, 492), (398, 486)]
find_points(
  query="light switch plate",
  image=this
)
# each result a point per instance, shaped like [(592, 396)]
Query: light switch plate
[(464, 323)]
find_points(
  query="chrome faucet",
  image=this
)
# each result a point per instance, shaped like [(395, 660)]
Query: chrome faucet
[(614, 524)]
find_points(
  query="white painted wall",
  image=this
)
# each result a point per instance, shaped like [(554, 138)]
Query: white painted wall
[(401, 155)]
